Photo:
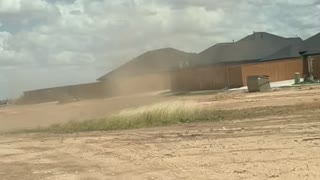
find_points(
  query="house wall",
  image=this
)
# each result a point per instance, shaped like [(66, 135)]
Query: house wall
[(305, 69), (233, 76), (81, 91), (126, 85), (276, 70), (316, 67), (206, 78)]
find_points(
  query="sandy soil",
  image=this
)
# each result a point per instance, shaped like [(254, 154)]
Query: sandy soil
[(273, 147), (40, 115)]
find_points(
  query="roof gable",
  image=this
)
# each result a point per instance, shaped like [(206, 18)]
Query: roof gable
[(311, 45), (154, 61), (291, 51)]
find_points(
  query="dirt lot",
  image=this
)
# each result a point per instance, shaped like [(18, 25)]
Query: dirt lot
[(285, 146), (41, 115)]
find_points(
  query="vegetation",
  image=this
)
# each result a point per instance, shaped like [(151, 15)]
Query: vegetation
[(169, 113), (162, 114)]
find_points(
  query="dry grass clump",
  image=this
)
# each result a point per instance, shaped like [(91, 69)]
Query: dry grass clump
[(168, 113)]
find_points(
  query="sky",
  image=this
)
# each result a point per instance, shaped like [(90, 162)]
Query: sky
[(46, 43)]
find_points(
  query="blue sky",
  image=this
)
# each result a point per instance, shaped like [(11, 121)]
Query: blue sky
[(57, 42)]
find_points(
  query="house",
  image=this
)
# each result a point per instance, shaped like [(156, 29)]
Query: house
[(150, 71), (279, 66), (310, 51), (227, 65), (64, 93), (224, 65)]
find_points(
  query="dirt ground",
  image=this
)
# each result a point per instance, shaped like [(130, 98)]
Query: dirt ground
[(272, 147), (41, 115)]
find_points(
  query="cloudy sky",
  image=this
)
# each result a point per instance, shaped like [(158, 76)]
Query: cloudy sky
[(47, 43)]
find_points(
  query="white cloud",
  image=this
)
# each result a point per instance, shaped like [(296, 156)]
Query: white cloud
[(9, 6), (101, 34), (71, 58), (9, 57), (16, 6)]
